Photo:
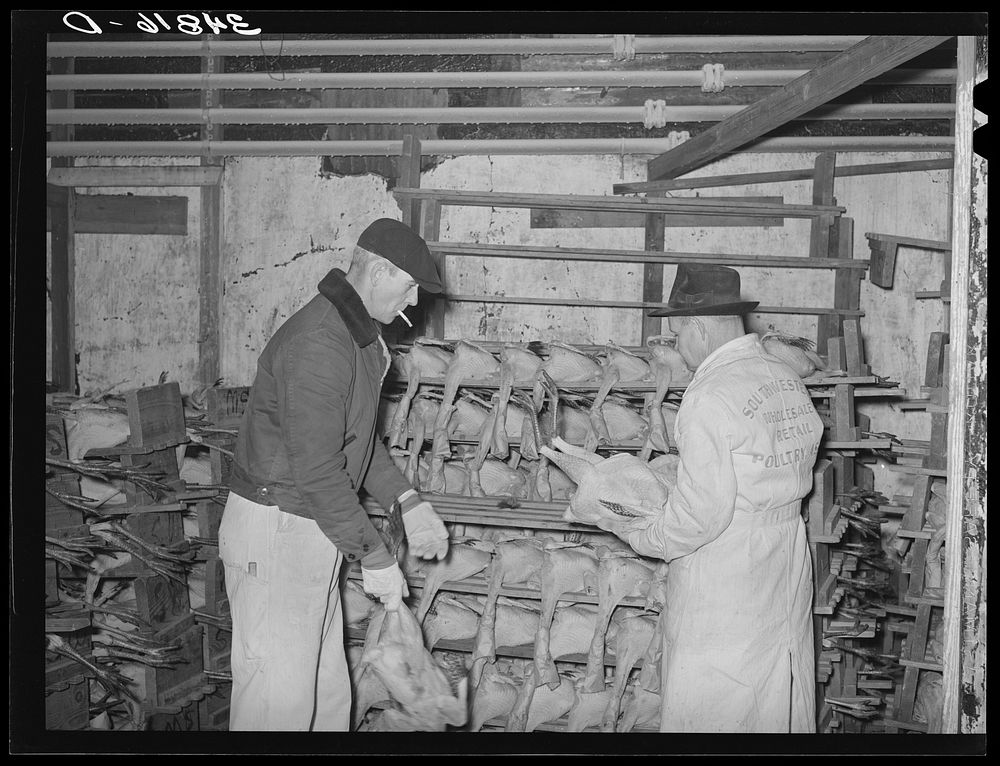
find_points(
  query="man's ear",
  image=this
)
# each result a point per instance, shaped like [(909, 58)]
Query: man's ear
[(378, 270), (699, 325)]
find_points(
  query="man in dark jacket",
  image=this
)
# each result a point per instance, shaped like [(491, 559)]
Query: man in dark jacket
[(306, 445)]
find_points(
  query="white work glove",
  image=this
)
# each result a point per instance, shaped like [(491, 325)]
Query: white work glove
[(425, 532), (388, 585)]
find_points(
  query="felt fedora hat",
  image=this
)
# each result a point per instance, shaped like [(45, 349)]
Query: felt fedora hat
[(705, 289), (401, 245)]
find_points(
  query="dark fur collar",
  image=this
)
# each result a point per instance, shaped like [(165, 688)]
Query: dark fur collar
[(336, 289)]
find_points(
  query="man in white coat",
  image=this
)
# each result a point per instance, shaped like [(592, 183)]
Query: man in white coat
[(738, 639)]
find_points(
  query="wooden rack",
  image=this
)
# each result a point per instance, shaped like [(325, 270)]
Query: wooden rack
[(839, 471), (912, 533), (171, 697)]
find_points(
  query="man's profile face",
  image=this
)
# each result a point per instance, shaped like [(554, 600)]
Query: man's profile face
[(393, 291), (689, 341)]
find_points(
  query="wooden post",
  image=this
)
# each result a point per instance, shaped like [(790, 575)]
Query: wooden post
[(408, 175), (210, 252), (652, 273), (62, 289), (965, 552), (821, 239), (430, 226)]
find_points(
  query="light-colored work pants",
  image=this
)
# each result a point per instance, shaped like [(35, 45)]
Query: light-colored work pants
[(289, 667)]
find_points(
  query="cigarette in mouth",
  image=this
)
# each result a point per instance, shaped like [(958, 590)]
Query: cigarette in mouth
[(403, 317)]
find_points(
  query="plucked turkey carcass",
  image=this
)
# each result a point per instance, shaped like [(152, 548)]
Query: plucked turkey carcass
[(668, 370), (425, 359), (417, 683), (620, 486), (794, 351)]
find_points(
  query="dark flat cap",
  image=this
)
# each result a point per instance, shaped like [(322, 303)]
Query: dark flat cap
[(705, 289), (398, 243)]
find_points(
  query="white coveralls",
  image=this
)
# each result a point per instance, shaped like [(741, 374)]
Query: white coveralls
[(738, 635)]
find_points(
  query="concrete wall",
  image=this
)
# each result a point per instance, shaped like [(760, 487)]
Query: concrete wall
[(286, 224)]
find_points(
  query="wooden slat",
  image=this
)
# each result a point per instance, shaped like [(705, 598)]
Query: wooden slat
[(822, 194), (934, 369), (478, 585), (589, 219), (844, 71), (187, 175), (470, 298), (408, 175), (129, 214), (918, 470), (915, 242), (577, 202), (846, 295), (779, 176), (642, 256)]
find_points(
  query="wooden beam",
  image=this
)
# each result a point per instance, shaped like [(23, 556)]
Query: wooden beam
[(187, 175), (778, 176), (642, 256), (644, 205), (844, 71), (485, 298), (128, 214), (590, 219)]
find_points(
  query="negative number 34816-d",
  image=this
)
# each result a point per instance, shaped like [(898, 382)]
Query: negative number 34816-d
[(186, 23)]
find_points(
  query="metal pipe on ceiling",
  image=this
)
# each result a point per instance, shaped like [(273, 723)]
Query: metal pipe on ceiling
[(443, 147), (469, 115), (282, 80), (445, 46)]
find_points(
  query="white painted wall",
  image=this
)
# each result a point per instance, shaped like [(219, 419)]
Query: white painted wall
[(286, 224)]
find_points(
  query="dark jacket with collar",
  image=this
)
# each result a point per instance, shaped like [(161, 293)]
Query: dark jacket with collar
[(307, 442)]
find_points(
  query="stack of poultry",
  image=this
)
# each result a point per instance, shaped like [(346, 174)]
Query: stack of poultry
[(553, 631), (472, 421)]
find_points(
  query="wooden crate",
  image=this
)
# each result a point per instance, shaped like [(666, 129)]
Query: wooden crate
[(51, 582), (67, 704), (167, 687), (218, 648), (213, 709), (221, 463), (161, 601), (67, 689), (181, 717), (156, 416), (209, 515), (55, 439), (216, 598), (58, 515), (225, 406)]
